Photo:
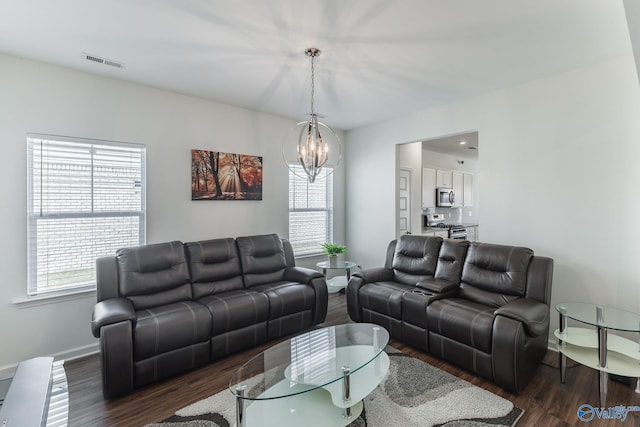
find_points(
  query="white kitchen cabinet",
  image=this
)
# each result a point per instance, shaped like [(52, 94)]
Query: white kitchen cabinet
[(444, 234), (444, 178), (458, 188), (467, 189), (472, 234), (428, 188)]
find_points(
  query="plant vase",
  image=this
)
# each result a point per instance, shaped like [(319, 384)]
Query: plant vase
[(333, 260)]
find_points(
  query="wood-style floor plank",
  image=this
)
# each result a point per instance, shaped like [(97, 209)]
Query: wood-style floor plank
[(546, 401)]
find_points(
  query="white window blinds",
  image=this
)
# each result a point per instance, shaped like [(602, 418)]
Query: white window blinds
[(86, 200), (310, 211)]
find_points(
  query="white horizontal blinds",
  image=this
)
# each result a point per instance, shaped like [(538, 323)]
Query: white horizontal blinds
[(310, 211), (86, 200), (313, 356)]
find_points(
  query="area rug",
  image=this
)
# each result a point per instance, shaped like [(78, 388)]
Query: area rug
[(414, 393)]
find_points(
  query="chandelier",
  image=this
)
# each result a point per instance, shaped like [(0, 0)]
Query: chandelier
[(315, 143)]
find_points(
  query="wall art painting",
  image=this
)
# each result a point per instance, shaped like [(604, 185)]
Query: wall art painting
[(225, 176)]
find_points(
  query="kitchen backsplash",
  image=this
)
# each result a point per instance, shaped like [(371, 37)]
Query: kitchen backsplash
[(455, 215)]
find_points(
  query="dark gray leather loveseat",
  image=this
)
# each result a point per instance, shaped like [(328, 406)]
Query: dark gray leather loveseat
[(170, 307), (482, 306)]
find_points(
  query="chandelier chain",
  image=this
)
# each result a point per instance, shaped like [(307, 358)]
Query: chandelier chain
[(313, 84)]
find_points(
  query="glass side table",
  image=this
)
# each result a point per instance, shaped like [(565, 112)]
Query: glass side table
[(338, 283), (596, 348)]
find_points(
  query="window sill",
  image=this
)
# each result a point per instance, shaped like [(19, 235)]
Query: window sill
[(52, 298)]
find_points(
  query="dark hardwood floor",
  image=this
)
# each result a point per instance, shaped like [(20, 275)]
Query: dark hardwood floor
[(546, 401)]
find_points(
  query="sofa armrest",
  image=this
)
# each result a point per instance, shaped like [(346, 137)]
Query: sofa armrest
[(534, 315), (375, 275), (439, 286), (111, 311), (301, 274)]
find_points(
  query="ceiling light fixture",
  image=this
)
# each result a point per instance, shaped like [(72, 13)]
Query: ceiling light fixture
[(463, 142), (314, 141)]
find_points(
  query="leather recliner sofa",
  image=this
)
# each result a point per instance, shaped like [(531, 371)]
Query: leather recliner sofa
[(170, 307), (484, 307)]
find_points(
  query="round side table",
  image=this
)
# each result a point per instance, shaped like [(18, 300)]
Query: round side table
[(338, 283)]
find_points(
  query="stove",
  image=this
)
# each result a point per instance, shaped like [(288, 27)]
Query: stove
[(456, 231)]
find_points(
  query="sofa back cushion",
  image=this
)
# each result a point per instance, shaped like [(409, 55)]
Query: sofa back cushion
[(262, 259), (214, 266), (495, 274), (451, 260), (154, 275), (415, 258)]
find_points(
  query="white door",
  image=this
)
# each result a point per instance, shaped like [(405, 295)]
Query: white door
[(404, 201)]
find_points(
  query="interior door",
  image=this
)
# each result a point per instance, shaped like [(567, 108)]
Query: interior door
[(404, 201)]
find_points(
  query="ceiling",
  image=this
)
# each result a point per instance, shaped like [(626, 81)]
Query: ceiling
[(380, 59), (464, 145)]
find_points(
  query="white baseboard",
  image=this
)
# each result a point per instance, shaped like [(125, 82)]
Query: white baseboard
[(7, 371)]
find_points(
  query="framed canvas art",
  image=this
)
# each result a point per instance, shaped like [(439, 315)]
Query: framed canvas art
[(225, 176)]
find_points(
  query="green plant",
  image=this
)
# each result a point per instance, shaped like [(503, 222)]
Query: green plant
[(333, 248)]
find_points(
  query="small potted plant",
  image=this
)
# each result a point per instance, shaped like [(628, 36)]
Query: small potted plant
[(333, 249)]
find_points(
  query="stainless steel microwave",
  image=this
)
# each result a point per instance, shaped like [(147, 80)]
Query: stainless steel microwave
[(445, 198)]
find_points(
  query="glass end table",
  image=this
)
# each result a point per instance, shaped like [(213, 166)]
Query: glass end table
[(338, 283), (595, 347)]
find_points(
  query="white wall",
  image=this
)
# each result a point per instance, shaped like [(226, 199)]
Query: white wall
[(557, 169), (409, 156), (36, 97)]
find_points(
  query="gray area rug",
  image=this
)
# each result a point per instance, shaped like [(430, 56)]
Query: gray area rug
[(414, 393)]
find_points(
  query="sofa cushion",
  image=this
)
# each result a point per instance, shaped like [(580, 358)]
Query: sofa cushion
[(383, 297), (495, 274), (154, 275), (451, 260), (214, 266), (236, 309), (287, 298), (169, 327), (262, 258), (463, 321), (415, 258)]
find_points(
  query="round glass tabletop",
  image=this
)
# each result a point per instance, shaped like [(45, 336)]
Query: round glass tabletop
[(602, 316), (309, 361), (346, 265)]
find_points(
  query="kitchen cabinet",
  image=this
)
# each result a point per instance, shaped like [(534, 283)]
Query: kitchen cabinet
[(444, 234), (444, 178), (472, 234), (467, 189), (458, 188), (439, 233), (428, 188), (460, 182)]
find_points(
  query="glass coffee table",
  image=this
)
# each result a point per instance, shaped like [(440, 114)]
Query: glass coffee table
[(318, 378), (597, 348)]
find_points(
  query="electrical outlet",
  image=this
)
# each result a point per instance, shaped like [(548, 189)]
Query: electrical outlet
[(470, 213)]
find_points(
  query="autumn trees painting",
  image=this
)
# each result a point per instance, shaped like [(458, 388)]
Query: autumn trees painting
[(225, 176)]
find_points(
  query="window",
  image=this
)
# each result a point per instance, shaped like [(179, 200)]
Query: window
[(86, 200), (310, 211)]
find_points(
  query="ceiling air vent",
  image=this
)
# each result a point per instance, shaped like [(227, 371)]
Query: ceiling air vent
[(99, 60)]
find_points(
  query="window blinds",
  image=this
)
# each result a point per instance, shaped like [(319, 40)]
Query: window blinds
[(86, 200), (310, 211)]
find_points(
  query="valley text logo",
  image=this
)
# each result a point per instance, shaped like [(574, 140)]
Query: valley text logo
[(587, 412)]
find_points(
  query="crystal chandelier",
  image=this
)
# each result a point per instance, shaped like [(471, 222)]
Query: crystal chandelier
[(315, 140)]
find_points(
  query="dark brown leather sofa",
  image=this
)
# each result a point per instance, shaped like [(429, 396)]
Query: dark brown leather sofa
[(170, 307), (484, 307)]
